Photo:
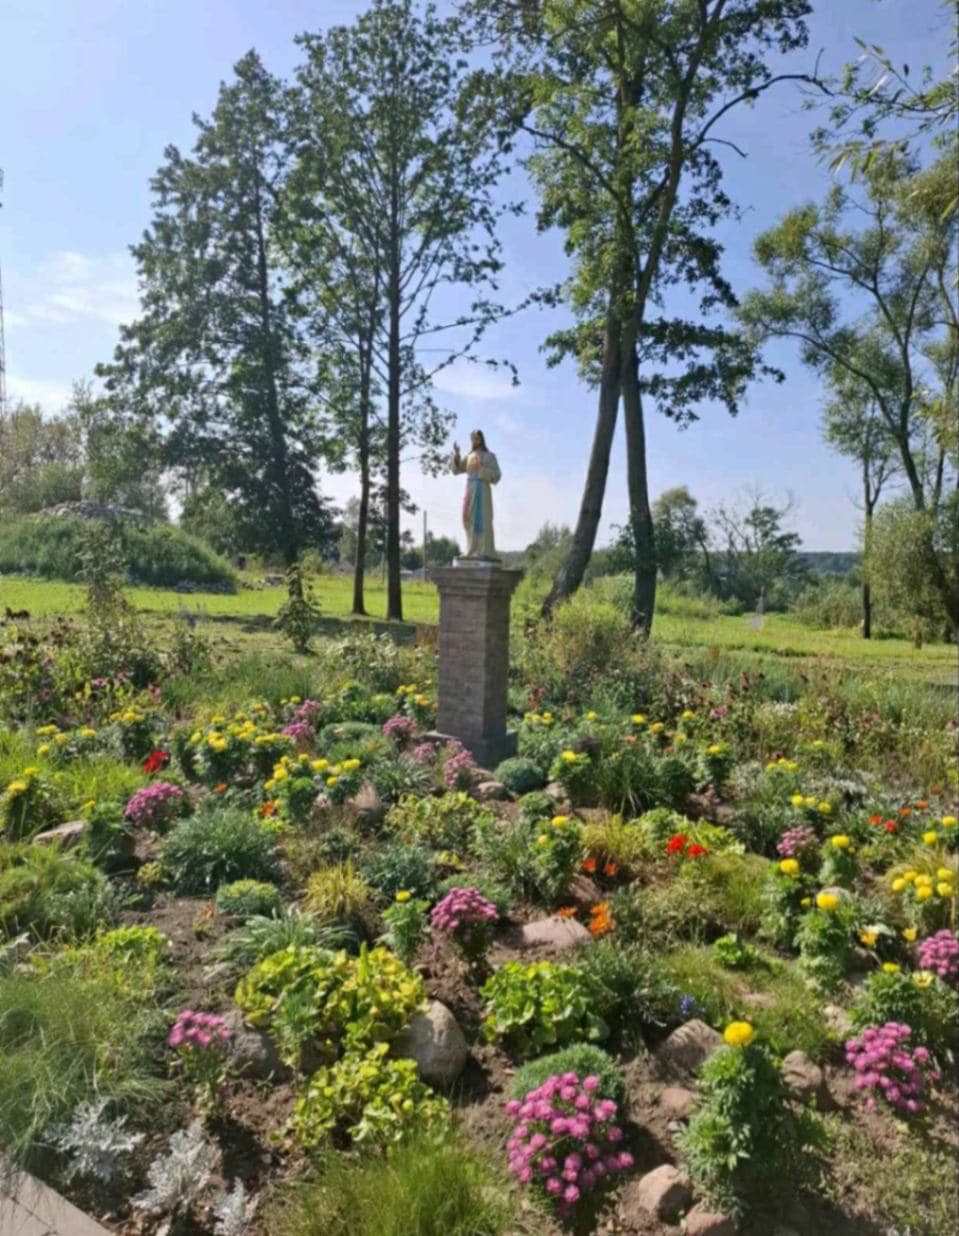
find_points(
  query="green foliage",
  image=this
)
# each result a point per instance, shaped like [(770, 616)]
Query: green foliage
[(585, 1059), (577, 774), (297, 616), (339, 894), (630, 991), (45, 891), (248, 899), (535, 806), (782, 909), (373, 1099), (531, 858), (426, 1185), (405, 927), (330, 1002), (744, 1139), (931, 1010), (397, 868), (520, 776), (625, 843), (825, 941), (66, 1040), (530, 1007), (150, 553), (734, 954), (260, 937), (216, 846), (443, 823), (28, 805), (137, 960)]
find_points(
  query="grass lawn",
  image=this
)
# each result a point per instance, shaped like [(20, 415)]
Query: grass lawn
[(251, 610)]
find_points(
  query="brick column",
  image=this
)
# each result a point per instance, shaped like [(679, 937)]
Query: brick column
[(474, 657)]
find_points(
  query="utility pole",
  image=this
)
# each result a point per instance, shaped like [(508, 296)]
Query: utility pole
[(3, 354)]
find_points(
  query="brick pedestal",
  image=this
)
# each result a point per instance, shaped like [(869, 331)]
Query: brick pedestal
[(474, 658)]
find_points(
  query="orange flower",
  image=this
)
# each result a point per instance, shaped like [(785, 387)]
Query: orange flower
[(600, 921), (221, 788), (921, 805), (610, 869), (589, 865), (935, 790), (875, 819), (566, 912), (268, 808), (905, 812)]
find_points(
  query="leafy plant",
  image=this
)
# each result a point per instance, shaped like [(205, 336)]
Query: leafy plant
[(584, 1059), (630, 992), (93, 1143), (825, 939), (370, 1097), (543, 1004), (734, 954), (260, 937), (398, 867), (216, 846), (180, 1178), (520, 775), (338, 894), (298, 615), (248, 899), (43, 890), (405, 923)]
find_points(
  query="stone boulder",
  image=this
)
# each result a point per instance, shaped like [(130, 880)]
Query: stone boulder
[(805, 1080), (703, 1222), (554, 934), (664, 1192), (490, 791), (65, 835), (252, 1052), (366, 805), (436, 1043), (584, 892), (689, 1046), (676, 1102)]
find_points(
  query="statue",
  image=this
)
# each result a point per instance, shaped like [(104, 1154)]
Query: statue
[(482, 472)]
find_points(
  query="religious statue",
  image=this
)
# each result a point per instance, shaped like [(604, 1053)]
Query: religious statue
[(482, 472)]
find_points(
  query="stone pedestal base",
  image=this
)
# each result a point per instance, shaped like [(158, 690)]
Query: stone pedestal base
[(474, 657)]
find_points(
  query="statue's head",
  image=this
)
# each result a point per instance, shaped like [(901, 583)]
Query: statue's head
[(477, 441)]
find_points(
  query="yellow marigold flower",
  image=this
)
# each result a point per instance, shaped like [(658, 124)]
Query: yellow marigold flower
[(295, 699), (195, 736), (351, 765), (88, 732), (910, 933), (592, 716), (715, 748), (279, 774), (657, 727), (17, 787), (931, 837), (403, 895), (129, 717), (303, 758), (738, 1033), (31, 771), (922, 879), (331, 781), (772, 766), (269, 785), (568, 757), (797, 800), (542, 839), (827, 901), (809, 801), (43, 749), (840, 841), (944, 889), (923, 893), (559, 820), (46, 730), (320, 765), (791, 766), (218, 720), (898, 885), (909, 876), (806, 902), (944, 873), (890, 967), (923, 978), (687, 714), (422, 701), (61, 739), (680, 738), (868, 938), (824, 808), (789, 866), (638, 718), (948, 821), (91, 802)]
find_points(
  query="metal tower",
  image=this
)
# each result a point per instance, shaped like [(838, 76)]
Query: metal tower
[(3, 355)]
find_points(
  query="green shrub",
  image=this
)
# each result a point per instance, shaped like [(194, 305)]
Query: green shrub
[(426, 1186), (535, 806), (67, 1040), (401, 868), (584, 1059), (744, 1139), (260, 937), (28, 805), (540, 1005), (825, 940), (532, 858), (733, 954), (216, 846), (350, 733), (45, 891), (330, 1001), (406, 926), (370, 1097), (339, 894), (136, 959), (520, 776), (156, 554), (443, 822), (630, 991), (930, 1009), (576, 772), (248, 898)]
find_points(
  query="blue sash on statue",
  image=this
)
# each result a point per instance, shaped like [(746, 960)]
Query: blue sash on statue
[(476, 485)]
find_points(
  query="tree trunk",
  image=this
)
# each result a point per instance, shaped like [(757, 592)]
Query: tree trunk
[(362, 523), (394, 596), (640, 514), (869, 502), (570, 574)]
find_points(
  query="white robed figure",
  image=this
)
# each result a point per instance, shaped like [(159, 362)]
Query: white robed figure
[(482, 472)]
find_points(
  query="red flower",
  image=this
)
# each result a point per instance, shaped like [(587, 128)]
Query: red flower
[(892, 826), (268, 808), (589, 865), (677, 843), (155, 761), (875, 819), (610, 869), (697, 851)]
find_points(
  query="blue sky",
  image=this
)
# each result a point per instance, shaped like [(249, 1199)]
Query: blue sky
[(92, 92)]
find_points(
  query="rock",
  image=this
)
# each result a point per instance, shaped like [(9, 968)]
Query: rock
[(676, 1102), (64, 834), (703, 1222), (252, 1053), (664, 1192), (838, 1019), (367, 805), (556, 792), (584, 892), (805, 1080), (553, 933), (689, 1046), (490, 791), (435, 1041)]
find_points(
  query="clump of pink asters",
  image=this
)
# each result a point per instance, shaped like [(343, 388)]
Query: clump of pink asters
[(202, 1041), (565, 1138), (401, 729), (423, 753), (467, 917), (155, 806), (940, 954), (458, 767), (302, 734), (886, 1067), (308, 712), (796, 841)]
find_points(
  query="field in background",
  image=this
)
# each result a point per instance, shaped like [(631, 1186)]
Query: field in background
[(247, 616)]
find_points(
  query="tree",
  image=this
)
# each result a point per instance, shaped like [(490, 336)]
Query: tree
[(621, 102), (122, 455), (903, 547), (219, 362), (898, 339), (756, 557), (404, 178), (41, 460), (854, 427)]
